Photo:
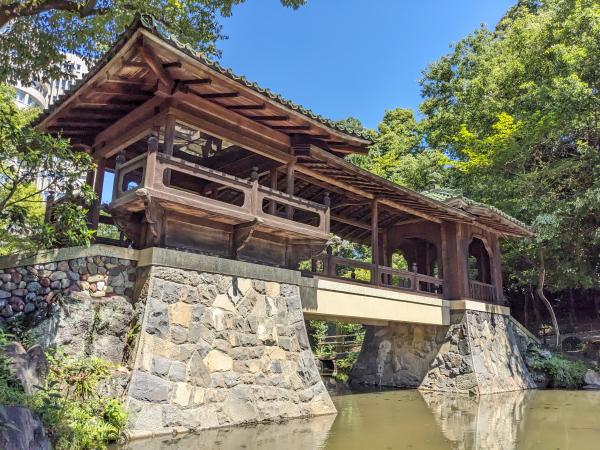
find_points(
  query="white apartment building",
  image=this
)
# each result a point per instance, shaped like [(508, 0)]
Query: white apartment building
[(42, 95)]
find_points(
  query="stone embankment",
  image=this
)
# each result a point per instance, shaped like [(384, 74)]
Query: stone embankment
[(206, 342), (219, 350), (477, 354)]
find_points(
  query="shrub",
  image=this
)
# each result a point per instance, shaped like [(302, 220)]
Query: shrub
[(562, 372), (74, 415)]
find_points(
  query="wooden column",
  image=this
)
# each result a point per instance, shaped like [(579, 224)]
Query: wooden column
[(119, 161), (496, 269), (375, 241), (98, 183), (290, 188), (150, 173), (273, 181), (168, 144), (453, 266)]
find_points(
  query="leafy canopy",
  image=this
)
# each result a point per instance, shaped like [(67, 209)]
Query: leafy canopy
[(35, 34), (33, 165), (516, 109)]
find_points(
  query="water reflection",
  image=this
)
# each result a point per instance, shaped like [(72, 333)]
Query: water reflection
[(490, 421), (298, 434), (409, 419)]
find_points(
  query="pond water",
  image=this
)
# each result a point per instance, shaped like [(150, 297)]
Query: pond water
[(409, 419)]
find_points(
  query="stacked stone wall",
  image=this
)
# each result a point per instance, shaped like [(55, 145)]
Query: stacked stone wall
[(84, 305), (477, 354), (217, 350)]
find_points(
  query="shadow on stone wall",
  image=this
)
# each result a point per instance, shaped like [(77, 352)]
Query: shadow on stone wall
[(478, 353)]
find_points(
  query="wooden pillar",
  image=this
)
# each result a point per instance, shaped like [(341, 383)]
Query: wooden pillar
[(375, 241), (496, 269), (273, 182), (290, 188), (151, 162), (453, 267), (169, 134), (98, 183), (119, 161)]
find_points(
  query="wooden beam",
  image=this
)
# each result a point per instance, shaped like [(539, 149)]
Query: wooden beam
[(219, 95), (175, 64), (246, 107), (125, 124), (274, 118), (156, 66), (354, 223), (196, 81), (219, 114), (291, 127), (233, 132)]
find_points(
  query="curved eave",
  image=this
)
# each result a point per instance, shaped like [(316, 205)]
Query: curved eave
[(301, 121)]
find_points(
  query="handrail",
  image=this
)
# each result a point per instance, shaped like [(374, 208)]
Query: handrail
[(414, 281), (482, 291), (131, 162), (154, 166), (285, 197)]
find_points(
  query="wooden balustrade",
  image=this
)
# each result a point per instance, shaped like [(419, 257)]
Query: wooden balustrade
[(482, 291), (328, 265), (250, 196)]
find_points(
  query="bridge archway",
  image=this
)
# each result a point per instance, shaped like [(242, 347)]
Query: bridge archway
[(479, 261)]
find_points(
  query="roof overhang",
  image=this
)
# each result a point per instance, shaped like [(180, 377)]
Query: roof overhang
[(145, 63)]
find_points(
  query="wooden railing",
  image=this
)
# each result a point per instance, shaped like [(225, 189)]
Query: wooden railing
[(482, 291), (329, 266), (158, 171)]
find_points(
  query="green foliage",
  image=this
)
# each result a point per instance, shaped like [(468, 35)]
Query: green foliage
[(36, 34), (319, 329), (344, 366), (515, 110), (74, 415), (398, 153), (561, 372), (25, 156)]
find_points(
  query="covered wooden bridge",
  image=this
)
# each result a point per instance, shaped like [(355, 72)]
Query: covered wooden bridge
[(206, 161)]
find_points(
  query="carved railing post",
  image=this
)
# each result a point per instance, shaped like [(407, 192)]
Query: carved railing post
[(327, 215), (415, 282), (329, 268), (117, 184), (254, 206)]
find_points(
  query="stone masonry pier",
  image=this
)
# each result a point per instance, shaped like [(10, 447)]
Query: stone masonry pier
[(210, 342)]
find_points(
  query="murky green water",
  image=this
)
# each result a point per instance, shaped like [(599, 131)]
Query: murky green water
[(565, 420)]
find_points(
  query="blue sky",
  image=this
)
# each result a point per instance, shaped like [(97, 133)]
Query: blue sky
[(349, 57)]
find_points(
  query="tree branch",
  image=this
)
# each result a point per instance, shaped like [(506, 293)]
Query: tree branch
[(32, 8)]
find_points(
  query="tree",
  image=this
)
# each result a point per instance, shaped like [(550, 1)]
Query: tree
[(398, 153), (25, 156), (35, 34), (517, 111)]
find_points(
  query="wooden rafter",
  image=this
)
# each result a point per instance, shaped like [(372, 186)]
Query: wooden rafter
[(156, 66)]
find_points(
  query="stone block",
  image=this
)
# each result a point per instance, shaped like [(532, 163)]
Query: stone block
[(180, 313), (148, 387), (217, 361)]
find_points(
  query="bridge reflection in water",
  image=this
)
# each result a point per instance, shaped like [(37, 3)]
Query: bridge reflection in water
[(409, 419)]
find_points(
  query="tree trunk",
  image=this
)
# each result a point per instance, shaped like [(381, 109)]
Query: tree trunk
[(536, 308), (540, 293), (597, 303), (572, 315), (526, 309)]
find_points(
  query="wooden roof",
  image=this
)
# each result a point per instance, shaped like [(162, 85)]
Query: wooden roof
[(148, 68), (146, 58)]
